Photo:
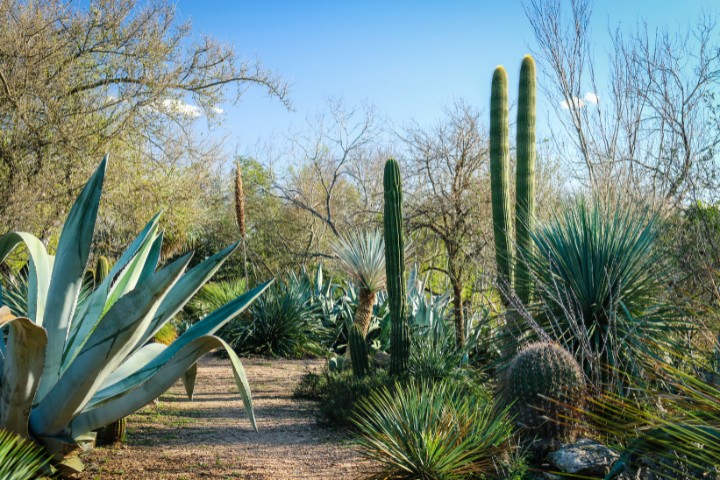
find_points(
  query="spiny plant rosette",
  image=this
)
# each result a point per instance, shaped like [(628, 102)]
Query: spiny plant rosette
[(547, 387), (76, 363)]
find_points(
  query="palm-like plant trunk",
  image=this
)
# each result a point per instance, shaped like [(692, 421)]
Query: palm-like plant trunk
[(363, 314)]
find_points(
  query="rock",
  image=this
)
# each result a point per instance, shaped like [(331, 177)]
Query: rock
[(584, 457)]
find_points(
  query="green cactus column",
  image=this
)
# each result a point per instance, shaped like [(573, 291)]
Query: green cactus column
[(358, 351), (499, 168), (525, 176), (395, 269)]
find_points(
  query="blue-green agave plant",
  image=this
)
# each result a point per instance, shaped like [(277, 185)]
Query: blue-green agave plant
[(76, 363)]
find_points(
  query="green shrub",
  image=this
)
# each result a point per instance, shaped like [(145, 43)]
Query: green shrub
[(20, 459), (339, 393), (431, 431), (285, 324)]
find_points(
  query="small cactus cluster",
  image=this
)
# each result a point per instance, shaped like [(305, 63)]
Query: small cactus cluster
[(395, 269), (358, 351), (547, 388)]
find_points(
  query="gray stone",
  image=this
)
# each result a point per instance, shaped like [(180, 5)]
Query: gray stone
[(585, 457)]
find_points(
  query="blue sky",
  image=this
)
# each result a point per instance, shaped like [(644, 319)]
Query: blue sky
[(407, 58)]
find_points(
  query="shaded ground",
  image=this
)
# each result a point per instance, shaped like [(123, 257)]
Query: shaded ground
[(211, 438)]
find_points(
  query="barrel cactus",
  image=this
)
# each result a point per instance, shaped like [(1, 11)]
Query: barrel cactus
[(113, 433), (547, 388)]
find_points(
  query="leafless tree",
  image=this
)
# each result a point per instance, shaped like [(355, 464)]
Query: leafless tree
[(448, 195), (332, 173), (649, 127)]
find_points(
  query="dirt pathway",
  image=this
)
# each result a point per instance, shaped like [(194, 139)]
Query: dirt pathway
[(211, 437)]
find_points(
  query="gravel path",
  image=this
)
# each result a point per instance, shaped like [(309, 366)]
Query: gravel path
[(210, 437)]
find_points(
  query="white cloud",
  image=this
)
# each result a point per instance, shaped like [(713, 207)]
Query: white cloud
[(217, 110), (589, 98), (577, 102), (173, 105)]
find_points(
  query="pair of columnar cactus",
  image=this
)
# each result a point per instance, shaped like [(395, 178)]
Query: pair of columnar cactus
[(511, 272)]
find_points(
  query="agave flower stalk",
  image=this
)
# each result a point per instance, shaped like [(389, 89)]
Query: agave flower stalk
[(76, 363), (240, 214)]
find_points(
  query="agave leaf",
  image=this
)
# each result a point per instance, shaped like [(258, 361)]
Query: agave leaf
[(189, 381), (130, 275), (134, 363), (162, 379), (20, 377), (184, 290), (93, 310), (208, 326), (40, 270), (70, 261), (153, 258), (108, 345)]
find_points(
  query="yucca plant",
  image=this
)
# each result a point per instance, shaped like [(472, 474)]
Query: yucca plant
[(284, 323), (214, 295), (362, 256), (679, 430), (426, 430), (20, 459), (600, 282), (72, 365)]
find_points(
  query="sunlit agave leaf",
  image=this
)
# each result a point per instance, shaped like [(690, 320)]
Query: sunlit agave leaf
[(207, 326), (184, 290), (161, 379), (39, 272), (153, 258), (21, 375), (92, 310), (107, 346), (133, 363), (66, 280)]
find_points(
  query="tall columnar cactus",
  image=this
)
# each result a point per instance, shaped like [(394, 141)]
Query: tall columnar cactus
[(499, 170), (525, 175), (395, 269), (546, 387), (358, 351), (102, 269)]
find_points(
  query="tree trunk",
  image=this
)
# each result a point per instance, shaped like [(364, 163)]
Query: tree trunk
[(363, 314), (458, 314)]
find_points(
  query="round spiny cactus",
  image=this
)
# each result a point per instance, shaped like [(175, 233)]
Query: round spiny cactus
[(113, 433), (547, 388)]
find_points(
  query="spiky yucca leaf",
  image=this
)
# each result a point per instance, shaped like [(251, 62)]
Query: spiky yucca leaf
[(20, 459), (431, 430), (362, 256), (679, 429)]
